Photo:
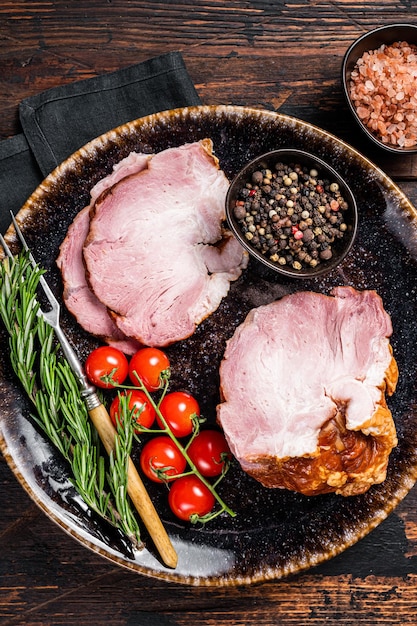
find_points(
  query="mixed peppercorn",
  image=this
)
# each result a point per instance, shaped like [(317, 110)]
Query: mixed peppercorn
[(291, 215)]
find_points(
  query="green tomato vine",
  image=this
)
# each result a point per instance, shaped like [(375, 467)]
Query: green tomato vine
[(183, 449)]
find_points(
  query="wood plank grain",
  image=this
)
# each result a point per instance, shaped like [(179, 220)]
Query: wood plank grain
[(235, 55), (283, 56), (46, 575)]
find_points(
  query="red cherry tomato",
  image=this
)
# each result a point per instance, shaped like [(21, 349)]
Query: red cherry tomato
[(177, 408), (148, 363), (104, 361), (159, 453), (188, 496), (143, 411), (209, 451)]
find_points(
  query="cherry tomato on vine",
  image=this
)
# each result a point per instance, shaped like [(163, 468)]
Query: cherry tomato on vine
[(143, 411), (148, 363), (159, 453), (178, 408), (104, 361), (209, 451), (188, 496)]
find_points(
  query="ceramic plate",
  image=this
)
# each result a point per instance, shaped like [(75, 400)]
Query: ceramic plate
[(275, 532)]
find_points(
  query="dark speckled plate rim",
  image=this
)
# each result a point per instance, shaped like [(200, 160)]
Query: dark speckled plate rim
[(191, 116)]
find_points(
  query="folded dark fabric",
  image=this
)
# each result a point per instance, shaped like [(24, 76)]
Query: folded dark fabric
[(57, 122), (19, 176)]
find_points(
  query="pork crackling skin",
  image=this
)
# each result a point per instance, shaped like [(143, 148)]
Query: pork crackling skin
[(303, 384)]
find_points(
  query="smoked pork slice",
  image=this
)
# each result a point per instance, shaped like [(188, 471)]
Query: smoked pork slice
[(157, 255), (303, 383), (90, 313)]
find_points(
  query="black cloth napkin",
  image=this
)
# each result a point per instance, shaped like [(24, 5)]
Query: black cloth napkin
[(57, 122)]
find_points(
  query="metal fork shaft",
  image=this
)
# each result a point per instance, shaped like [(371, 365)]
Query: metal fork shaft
[(102, 422)]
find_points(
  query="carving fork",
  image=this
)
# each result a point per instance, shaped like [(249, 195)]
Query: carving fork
[(101, 420)]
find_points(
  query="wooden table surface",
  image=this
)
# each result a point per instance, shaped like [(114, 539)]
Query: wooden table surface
[(279, 55)]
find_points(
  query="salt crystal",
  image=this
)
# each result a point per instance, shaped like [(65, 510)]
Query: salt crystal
[(362, 112)]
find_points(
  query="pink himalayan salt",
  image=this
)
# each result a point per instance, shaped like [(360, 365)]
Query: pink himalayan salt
[(383, 89)]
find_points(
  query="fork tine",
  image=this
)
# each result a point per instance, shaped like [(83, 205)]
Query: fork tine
[(5, 247), (47, 290), (22, 239)]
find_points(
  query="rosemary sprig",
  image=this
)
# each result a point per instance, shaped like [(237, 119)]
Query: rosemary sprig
[(119, 460), (53, 389)]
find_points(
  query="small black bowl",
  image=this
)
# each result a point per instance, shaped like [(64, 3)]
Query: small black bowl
[(372, 40), (292, 157)]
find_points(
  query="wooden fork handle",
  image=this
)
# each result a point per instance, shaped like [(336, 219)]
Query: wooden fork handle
[(136, 490)]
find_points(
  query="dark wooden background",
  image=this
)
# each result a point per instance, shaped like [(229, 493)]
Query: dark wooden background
[(283, 56)]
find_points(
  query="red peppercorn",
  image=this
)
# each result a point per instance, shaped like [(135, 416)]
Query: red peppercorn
[(252, 192), (319, 189)]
